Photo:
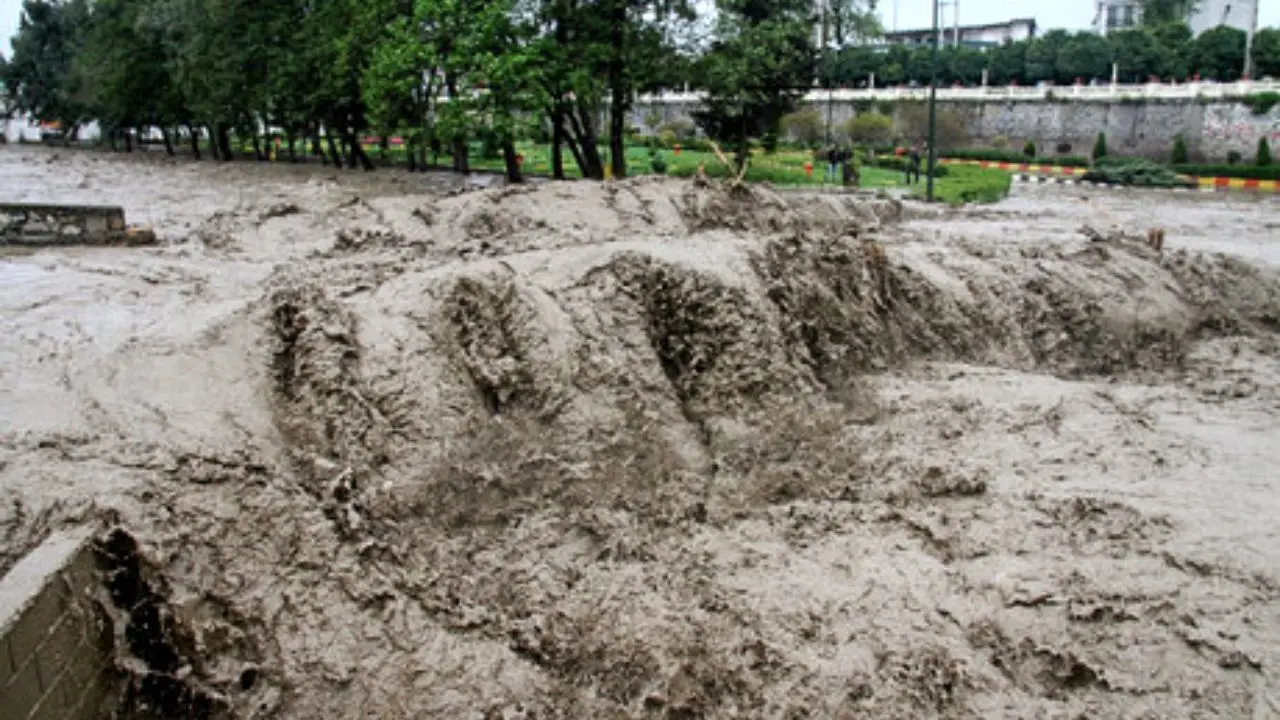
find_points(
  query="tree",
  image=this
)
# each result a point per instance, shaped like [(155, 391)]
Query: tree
[(1263, 156), (1179, 154), (1174, 41), (1266, 53), (848, 20), (868, 129), (1008, 63), (1042, 56), (804, 126), (761, 62), (1100, 147), (1084, 55), (1218, 54), (1136, 53), (39, 78), (1158, 12), (962, 64), (913, 123), (852, 65)]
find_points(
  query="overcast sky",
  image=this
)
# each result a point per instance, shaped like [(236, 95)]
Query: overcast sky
[(1074, 14)]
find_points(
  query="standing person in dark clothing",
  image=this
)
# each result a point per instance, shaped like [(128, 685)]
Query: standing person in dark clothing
[(833, 163), (913, 166)]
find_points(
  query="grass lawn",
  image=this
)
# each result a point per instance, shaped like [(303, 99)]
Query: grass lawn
[(785, 168)]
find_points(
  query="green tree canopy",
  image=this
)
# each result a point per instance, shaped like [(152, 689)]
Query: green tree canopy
[(1218, 54)]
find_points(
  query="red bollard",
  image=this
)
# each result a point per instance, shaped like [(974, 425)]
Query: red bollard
[(676, 148), (808, 168)]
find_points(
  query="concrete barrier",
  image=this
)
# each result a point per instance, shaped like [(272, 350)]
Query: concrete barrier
[(55, 640), (39, 224)]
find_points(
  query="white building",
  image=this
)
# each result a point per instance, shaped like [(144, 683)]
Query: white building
[(971, 35), (1239, 14), (1112, 15)]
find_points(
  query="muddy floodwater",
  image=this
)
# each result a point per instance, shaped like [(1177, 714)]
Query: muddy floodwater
[(388, 446)]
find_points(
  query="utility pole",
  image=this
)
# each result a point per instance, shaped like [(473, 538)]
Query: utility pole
[(933, 105), (1248, 41)]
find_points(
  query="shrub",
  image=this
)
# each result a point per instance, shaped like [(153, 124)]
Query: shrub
[(682, 128), (1234, 157), (804, 126), (1245, 172), (1000, 142), (885, 107), (1029, 149), (667, 137), (1179, 155), (1264, 153), (1261, 103), (868, 129), (1100, 146), (1136, 172), (1009, 156), (913, 121), (1064, 148), (652, 120), (658, 164)]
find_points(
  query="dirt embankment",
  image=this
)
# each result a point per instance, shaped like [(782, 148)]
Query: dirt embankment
[(657, 450)]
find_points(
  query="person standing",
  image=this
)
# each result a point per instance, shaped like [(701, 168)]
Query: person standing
[(913, 164), (833, 163)]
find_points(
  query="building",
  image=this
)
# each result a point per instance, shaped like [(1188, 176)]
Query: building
[(1239, 14), (972, 35), (1113, 15)]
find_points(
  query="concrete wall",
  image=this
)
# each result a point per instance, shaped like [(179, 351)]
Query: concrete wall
[(55, 643), (1133, 127)]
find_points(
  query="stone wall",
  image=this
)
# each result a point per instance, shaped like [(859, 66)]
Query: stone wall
[(55, 641), (1147, 127), (36, 224)]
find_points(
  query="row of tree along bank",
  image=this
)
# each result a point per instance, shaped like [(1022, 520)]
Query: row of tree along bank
[(446, 74)]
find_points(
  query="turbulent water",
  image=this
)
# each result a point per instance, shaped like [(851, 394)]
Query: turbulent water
[(385, 448)]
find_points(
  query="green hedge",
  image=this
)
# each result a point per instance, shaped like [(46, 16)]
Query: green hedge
[(1012, 156), (1247, 172)]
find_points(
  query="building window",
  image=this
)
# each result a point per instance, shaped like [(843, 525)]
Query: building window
[(1113, 16), (1128, 16)]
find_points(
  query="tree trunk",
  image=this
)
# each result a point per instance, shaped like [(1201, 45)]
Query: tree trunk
[(338, 159), (557, 141), (293, 147), (621, 91), (111, 137), (558, 112), (214, 150), (358, 154), (461, 160), (384, 147), (588, 154), (168, 143), (411, 149), (316, 149), (257, 148), (195, 142), (224, 143), (514, 175)]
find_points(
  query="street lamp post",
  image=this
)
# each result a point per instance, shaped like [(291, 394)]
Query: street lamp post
[(933, 106)]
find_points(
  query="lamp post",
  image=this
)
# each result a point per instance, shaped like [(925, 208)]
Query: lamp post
[(933, 106)]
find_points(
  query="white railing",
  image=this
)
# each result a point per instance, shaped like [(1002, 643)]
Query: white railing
[(1148, 91)]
